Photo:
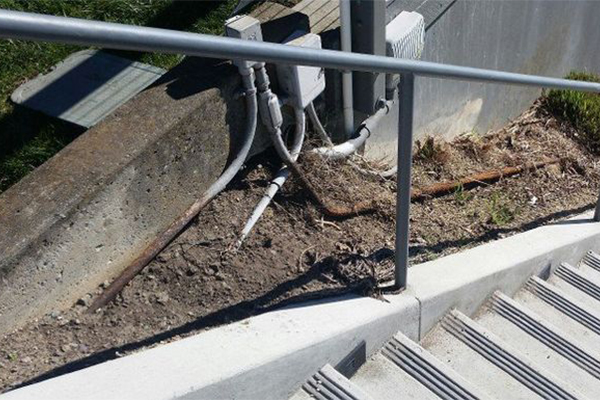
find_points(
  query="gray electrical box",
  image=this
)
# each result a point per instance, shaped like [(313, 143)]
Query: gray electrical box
[(246, 28)]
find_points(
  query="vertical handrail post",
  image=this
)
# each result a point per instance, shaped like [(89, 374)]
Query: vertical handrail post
[(403, 182), (597, 212)]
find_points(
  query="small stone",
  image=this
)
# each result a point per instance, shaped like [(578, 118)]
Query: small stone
[(55, 314), (65, 347), (162, 298), (85, 301), (83, 348), (105, 284), (420, 240), (26, 360)]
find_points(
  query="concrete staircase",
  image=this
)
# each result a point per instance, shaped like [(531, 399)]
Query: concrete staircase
[(542, 343)]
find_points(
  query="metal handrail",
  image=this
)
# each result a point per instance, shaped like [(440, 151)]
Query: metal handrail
[(20, 25)]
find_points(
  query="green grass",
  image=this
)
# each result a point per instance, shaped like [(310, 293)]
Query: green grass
[(461, 196), (27, 138), (501, 210), (579, 108)]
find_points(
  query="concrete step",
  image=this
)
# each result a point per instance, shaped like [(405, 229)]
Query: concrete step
[(573, 283), (569, 306), (504, 356), (543, 343), (467, 362), (429, 370), (383, 380), (591, 263), (589, 272), (329, 384), (581, 278)]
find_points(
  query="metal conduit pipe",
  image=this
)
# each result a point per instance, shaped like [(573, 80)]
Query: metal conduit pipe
[(158, 244), (347, 87), (282, 176), (351, 146), (46, 28)]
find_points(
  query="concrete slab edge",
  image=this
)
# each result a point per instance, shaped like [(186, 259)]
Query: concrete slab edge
[(271, 355)]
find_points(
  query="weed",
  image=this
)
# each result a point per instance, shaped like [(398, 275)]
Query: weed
[(500, 211), (430, 151), (461, 196), (579, 108)]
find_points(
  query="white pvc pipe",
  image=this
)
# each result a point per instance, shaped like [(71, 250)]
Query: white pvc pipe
[(276, 184), (347, 88), (351, 146)]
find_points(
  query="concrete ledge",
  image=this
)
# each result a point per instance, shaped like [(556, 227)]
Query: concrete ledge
[(80, 218), (271, 355)]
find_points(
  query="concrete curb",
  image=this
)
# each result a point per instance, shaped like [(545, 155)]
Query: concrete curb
[(271, 355)]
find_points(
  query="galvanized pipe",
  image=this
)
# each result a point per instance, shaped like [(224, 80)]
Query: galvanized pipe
[(19, 25), (347, 87), (406, 92)]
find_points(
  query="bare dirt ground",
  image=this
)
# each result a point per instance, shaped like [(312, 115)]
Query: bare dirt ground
[(294, 253)]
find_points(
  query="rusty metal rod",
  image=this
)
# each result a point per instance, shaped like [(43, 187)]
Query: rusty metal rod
[(440, 189)]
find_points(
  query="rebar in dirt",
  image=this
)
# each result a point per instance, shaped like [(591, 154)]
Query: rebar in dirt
[(481, 178)]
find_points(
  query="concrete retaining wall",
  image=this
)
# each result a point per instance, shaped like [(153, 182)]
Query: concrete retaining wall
[(539, 37), (84, 215)]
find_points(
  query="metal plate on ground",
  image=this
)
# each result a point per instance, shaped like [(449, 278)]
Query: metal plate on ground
[(86, 87)]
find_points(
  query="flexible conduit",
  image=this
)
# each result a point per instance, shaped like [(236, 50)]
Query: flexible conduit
[(158, 244), (319, 128)]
